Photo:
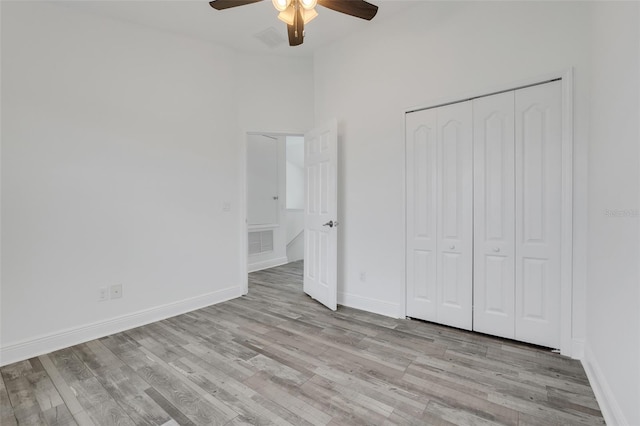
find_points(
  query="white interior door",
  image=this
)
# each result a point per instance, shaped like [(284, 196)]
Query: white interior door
[(494, 215), (538, 156), (454, 247), (321, 214), (421, 130), (439, 215)]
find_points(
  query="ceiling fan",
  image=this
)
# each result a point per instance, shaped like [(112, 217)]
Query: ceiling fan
[(297, 13)]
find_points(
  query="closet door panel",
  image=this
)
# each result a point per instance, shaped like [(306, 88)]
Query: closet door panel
[(421, 163), (538, 157), (454, 215), (494, 210)]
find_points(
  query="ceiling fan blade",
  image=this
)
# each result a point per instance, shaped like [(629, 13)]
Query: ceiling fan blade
[(296, 31), (357, 8), (226, 4)]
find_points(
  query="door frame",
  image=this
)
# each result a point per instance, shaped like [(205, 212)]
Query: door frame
[(242, 200), (568, 346)]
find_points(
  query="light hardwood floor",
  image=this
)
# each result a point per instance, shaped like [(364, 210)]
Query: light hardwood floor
[(277, 357)]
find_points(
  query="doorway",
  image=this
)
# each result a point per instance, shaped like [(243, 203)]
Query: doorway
[(275, 194), (320, 199)]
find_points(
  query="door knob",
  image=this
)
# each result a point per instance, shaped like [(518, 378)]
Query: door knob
[(452, 247), (496, 249), (331, 224)]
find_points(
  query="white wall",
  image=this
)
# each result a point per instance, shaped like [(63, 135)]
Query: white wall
[(113, 171), (275, 94), (121, 146), (295, 235), (295, 186), (295, 172), (613, 315), (434, 50)]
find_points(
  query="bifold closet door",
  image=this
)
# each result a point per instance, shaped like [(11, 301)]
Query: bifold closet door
[(494, 215), (538, 189), (454, 262), (421, 163), (517, 214), (484, 187), (439, 214)]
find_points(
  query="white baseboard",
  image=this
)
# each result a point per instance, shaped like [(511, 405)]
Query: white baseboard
[(370, 305), (63, 339), (266, 264), (611, 411)]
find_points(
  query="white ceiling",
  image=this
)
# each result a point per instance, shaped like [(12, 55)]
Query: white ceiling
[(236, 27)]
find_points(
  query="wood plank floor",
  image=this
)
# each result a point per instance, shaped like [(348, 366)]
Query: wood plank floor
[(277, 357)]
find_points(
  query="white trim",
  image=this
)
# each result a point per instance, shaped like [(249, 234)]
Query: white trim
[(295, 239), (72, 336), (611, 411), (566, 239), (1, 198), (242, 210), (277, 134), (266, 264), (638, 257), (296, 247), (376, 306), (577, 348), (566, 264), (403, 303), (252, 228)]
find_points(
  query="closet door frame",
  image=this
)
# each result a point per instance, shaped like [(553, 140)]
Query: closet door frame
[(567, 347)]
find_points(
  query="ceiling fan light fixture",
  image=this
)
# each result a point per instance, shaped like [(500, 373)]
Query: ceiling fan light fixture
[(281, 5), (297, 13), (308, 4), (309, 15), (288, 16)]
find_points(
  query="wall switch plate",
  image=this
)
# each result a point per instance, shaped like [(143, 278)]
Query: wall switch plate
[(116, 291), (103, 294)]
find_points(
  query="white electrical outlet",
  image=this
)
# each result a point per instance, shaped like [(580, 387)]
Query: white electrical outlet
[(116, 291), (103, 294), (363, 276)]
